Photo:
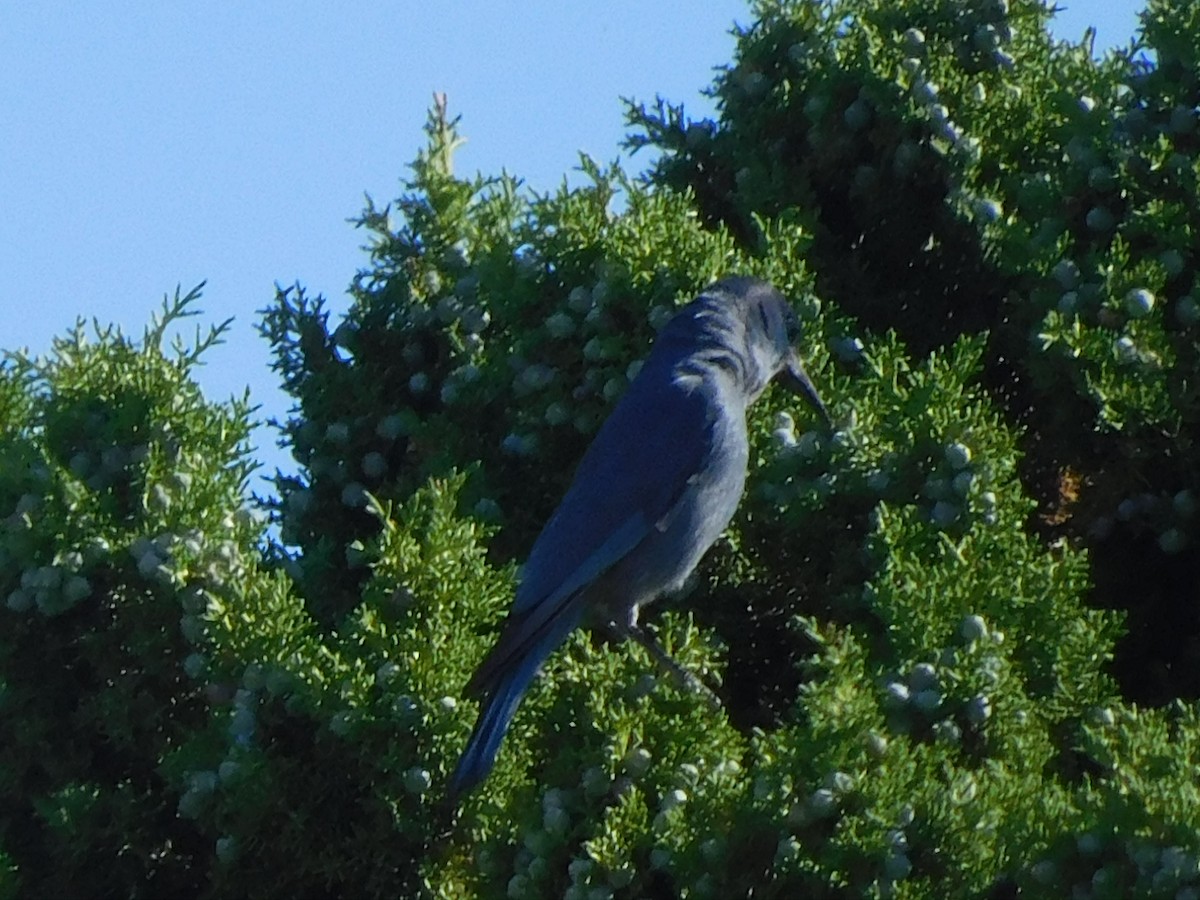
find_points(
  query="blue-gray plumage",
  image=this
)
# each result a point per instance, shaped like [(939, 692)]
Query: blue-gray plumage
[(658, 485)]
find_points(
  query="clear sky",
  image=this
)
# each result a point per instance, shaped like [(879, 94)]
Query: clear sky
[(148, 144)]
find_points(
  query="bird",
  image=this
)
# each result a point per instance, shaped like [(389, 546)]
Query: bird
[(657, 486)]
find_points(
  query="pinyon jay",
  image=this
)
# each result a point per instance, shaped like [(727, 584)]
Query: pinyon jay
[(658, 485)]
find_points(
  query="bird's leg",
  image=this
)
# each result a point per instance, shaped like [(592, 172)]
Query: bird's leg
[(681, 675)]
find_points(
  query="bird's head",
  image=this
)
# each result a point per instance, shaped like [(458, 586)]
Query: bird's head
[(772, 330)]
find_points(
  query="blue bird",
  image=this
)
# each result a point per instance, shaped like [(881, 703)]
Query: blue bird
[(658, 485)]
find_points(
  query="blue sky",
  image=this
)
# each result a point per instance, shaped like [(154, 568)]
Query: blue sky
[(149, 144)]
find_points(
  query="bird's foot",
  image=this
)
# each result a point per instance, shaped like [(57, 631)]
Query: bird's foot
[(665, 661)]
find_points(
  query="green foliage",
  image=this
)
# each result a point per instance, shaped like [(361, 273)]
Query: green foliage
[(953, 636), (120, 485), (963, 174)]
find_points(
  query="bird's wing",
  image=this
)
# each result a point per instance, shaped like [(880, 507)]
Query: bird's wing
[(638, 466), (644, 457)]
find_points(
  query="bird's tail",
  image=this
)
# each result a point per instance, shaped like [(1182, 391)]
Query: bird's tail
[(502, 698)]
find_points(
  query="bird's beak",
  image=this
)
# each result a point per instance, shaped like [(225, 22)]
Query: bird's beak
[(796, 380)]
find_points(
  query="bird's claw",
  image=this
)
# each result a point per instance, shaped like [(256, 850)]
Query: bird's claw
[(682, 676)]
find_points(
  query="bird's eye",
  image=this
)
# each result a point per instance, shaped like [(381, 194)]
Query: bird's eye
[(791, 324)]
